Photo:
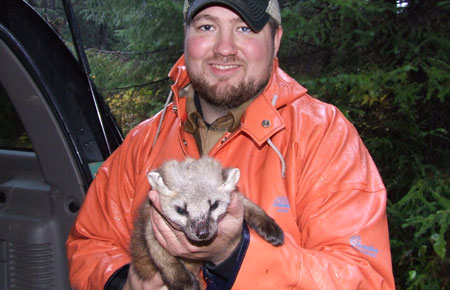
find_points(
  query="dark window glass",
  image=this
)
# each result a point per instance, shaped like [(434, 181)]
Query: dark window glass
[(12, 132)]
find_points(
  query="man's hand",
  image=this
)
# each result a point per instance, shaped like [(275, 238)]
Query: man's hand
[(176, 243), (134, 283)]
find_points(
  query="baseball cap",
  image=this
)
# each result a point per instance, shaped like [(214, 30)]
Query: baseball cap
[(254, 12)]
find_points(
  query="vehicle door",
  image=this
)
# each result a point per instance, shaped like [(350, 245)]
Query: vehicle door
[(54, 133)]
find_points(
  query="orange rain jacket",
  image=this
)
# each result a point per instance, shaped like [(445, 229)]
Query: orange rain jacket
[(331, 203)]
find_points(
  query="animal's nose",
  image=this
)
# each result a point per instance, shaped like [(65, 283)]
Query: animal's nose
[(201, 229), (202, 233)]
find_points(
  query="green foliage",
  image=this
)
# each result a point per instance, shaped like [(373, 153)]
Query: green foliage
[(148, 40), (149, 30), (338, 34), (132, 89), (131, 106), (422, 217), (116, 72), (140, 25)]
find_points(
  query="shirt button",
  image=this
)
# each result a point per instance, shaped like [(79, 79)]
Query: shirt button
[(265, 123)]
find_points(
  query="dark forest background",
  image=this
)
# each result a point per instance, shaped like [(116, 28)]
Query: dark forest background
[(384, 63)]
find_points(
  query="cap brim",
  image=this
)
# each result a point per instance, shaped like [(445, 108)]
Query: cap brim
[(255, 23)]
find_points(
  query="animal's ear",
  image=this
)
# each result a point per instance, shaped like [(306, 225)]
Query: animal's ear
[(231, 178), (157, 182)]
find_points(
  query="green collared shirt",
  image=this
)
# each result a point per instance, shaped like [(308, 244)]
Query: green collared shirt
[(207, 135)]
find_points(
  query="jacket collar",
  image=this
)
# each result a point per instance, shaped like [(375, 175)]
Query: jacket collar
[(281, 88)]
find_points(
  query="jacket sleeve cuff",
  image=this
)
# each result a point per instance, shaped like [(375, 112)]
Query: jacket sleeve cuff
[(118, 279), (222, 276)]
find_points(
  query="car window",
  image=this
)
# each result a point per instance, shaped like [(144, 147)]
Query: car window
[(12, 132)]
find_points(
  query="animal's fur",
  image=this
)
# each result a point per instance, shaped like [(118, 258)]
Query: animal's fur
[(194, 195)]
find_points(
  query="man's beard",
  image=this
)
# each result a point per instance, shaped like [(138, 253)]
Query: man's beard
[(229, 97)]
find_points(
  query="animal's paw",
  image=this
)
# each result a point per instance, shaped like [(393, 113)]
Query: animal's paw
[(271, 232)]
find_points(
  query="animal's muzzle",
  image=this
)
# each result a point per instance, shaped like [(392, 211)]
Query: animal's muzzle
[(201, 229)]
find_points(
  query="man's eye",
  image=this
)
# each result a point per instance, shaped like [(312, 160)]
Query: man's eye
[(181, 210), (245, 29), (206, 27)]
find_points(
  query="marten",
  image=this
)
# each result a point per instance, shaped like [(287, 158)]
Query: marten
[(194, 194)]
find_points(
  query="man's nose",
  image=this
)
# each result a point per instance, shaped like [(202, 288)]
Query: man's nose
[(225, 44)]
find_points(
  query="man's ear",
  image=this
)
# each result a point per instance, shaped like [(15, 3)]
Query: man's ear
[(231, 178), (277, 40), (156, 181)]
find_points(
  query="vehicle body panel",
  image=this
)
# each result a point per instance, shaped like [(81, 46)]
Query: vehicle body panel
[(42, 189)]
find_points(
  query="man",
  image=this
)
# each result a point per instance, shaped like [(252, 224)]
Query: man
[(299, 158)]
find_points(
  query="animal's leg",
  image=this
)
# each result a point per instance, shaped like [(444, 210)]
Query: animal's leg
[(262, 223)]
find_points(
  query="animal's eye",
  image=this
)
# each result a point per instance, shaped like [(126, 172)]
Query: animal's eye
[(181, 210), (214, 205)]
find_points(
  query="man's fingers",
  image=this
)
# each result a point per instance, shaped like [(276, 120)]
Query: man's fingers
[(154, 197), (236, 207)]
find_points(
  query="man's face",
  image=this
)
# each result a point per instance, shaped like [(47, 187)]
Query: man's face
[(227, 62)]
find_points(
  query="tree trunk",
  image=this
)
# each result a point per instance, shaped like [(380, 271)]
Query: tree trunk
[(103, 39)]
